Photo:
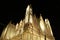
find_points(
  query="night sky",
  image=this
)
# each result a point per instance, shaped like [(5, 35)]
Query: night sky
[(15, 11)]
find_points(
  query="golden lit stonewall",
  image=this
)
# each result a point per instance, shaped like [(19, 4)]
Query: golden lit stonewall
[(30, 28)]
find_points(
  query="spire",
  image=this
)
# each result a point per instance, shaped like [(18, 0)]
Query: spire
[(29, 9), (16, 26), (48, 26), (28, 16), (42, 24)]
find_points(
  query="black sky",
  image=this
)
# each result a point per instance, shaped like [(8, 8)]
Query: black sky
[(15, 11)]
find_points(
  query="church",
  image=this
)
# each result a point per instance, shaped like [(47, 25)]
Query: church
[(30, 28)]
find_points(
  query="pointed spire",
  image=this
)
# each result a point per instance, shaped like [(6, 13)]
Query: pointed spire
[(28, 10), (28, 14), (42, 24), (48, 26), (41, 18), (16, 26), (20, 22)]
